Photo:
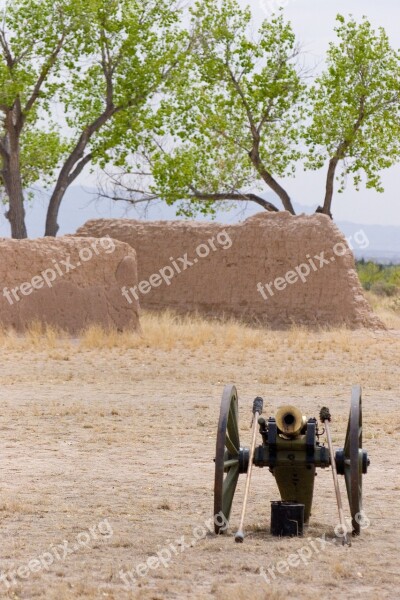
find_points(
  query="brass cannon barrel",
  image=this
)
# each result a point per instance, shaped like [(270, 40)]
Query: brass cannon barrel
[(290, 421)]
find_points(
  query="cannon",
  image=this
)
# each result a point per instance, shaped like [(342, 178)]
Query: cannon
[(292, 450)]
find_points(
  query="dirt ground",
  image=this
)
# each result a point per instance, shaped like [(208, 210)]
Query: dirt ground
[(106, 463)]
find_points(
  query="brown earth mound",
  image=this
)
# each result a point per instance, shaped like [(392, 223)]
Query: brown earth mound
[(273, 268), (69, 283)]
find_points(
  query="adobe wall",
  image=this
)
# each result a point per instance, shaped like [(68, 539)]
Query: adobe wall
[(69, 283), (267, 249)]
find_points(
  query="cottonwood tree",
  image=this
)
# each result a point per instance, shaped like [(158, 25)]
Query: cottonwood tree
[(245, 114), (355, 109), (233, 120), (78, 86)]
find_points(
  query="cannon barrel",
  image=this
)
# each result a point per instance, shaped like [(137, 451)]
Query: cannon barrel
[(290, 421)]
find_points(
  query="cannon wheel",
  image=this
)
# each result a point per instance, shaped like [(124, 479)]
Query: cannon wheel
[(353, 458), (227, 455)]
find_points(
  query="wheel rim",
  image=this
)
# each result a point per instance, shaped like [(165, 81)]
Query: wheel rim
[(226, 456), (353, 458)]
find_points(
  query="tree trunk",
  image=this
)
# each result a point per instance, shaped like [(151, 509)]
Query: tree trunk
[(269, 180), (73, 167), (326, 209), (278, 189), (11, 175), (16, 212), (52, 226)]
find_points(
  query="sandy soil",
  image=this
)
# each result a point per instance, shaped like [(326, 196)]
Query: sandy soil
[(106, 455)]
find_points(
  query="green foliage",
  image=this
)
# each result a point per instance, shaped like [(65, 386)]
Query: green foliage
[(242, 92), (222, 109), (354, 106), (232, 91), (41, 153), (383, 280), (32, 29), (99, 65), (139, 42)]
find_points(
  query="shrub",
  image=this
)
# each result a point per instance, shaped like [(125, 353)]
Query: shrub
[(383, 280)]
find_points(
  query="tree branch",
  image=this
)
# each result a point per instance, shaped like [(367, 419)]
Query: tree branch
[(265, 117), (233, 196), (107, 68), (236, 197), (250, 116), (334, 161), (254, 154), (79, 167), (7, 52), (255, 158), (134, 201), (43, 74)]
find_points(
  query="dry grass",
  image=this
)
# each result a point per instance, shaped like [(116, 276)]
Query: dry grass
[(122, 426), (159, 331), (298, 357), (167, 331), (388, 309), (36, 337)]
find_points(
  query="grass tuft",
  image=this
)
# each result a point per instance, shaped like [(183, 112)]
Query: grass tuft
[(167, 331)]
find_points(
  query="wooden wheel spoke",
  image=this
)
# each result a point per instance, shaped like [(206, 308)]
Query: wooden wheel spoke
[(347, 440), (233, 429), (231, 447), (347, 479), (231, 462), (229, 487)]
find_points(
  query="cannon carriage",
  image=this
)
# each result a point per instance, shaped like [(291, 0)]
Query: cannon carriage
[(292, 449)]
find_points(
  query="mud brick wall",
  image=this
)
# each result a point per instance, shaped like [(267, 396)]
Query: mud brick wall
[(69, 283), (267, 249)]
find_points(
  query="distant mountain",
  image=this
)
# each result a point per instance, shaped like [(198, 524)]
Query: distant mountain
[(80, 205), (384, 241), (380, 243)]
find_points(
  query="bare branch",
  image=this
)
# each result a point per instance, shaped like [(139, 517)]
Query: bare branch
[(6, 50), (237, 197), (250, 116), (133, 201)]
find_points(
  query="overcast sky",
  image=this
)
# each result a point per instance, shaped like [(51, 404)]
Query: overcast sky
[(313, 22)]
